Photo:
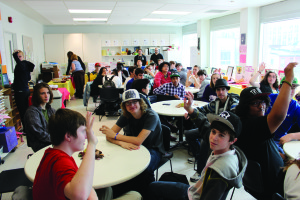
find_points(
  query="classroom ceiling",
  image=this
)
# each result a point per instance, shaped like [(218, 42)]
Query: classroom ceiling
[(129, 12)]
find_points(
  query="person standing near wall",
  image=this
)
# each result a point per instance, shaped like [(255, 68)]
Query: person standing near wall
[(78, 75), (69, 54), (21, 78)]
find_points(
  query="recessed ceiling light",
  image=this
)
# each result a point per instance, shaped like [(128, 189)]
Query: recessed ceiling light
[(88, 11), (89, 19), (170, 12), (155, 20)]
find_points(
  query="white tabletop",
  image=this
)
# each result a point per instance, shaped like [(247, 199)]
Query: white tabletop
[(170, 109), (292, 149), (192, 89), (117, 166)]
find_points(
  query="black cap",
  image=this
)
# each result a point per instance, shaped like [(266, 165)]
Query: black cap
[(175, 74), (221, 83), (229, 119), (250, 93)]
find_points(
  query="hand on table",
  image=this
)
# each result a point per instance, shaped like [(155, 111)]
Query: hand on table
[(285, 139), (129, 146), (188, 102), (92, 139), (176, 96), (108, 132)]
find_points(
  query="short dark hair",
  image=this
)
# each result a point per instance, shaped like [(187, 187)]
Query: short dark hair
[(243, 108), (177, 64), (201, 72), (120, 66), (101, 70), (223, 128), (62, 122), (69, 54), (36, 98), (131, 69), (162, 64), (140, 84), (114, 72), (153, 64), (139, 71)]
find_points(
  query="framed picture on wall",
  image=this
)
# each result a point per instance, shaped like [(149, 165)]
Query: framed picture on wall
[(229, 72), (213, 69)]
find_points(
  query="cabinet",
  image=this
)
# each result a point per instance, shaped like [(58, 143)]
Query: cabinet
[(12, 111)]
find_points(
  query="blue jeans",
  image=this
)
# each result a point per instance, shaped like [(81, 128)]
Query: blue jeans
[(163, 190)]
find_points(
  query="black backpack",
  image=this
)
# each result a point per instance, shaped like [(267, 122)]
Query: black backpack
[(109, 83)]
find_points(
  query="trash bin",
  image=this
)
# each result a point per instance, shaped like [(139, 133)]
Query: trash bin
[(57, 101)]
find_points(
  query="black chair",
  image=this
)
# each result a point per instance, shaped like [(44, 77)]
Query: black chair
[(168, 155), (165, 98), (11, 179), (277, 196), (252, 180), (110, 99)]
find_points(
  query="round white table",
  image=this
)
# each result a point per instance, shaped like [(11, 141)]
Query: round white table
[(117, 166), (192, 89), (292, 149), (168, 108)]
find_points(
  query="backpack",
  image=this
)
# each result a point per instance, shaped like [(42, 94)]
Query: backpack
[(109, 83)]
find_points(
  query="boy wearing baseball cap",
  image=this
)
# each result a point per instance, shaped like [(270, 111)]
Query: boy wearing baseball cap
[(256, 140), (174, 88), (225, 167), (143, 127)]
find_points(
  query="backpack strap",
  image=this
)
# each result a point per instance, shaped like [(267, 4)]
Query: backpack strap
[(111, 78)]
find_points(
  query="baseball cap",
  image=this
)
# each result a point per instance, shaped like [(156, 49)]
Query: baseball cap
[(229, 119), (97, 65), (295, 81), (221, 83), (175, 74), (250, 93), (130, 95)]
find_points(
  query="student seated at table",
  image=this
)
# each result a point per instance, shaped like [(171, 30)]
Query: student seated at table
[(223, 102), (58, 176), (292, 180), (192, 78), (100, 79), (131, 71), (94, 74), (269, 82), (37, 116), (281, 135), (150, 72), (144, 129), (182, 72), (116, 79), (209, 93), (256, 139), (204, 81), (163, 76), (175, 88), (138, 74), (143, 87), (225, 167)]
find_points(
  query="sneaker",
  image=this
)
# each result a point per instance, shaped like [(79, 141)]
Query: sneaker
[(191, 160), (195, 177)]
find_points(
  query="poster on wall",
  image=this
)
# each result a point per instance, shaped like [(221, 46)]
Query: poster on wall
[(28, 48), (248, 73), (243, 38), (239, 74)]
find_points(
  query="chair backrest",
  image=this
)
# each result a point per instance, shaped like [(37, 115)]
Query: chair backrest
[(277, 196), (166, 131), (252, 179), (165, 98), (109, 94)]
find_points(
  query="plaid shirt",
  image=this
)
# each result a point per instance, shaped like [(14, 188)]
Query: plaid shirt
[(171, 90)]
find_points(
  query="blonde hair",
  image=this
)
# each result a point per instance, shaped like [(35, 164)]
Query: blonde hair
[(211, 81), (127, 114)]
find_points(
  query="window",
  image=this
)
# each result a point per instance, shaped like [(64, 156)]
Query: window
[(224, 48), (189, 52), (280, 43)]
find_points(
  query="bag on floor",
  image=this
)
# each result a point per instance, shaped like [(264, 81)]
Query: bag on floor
[(174, 177), (100, 110)]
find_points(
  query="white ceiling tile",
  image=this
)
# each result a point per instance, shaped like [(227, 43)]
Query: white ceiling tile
[(182, 7), (90, 5)]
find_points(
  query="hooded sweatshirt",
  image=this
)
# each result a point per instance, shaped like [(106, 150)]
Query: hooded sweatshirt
[(221, 173)]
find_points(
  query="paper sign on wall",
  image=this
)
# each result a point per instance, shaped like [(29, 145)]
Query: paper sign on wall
[(154, 42), (146, 42), (162, 42), (242, 58), (126, 42), (248, 73), (116, 42), (135, 42), (107, 42), (243, 49)]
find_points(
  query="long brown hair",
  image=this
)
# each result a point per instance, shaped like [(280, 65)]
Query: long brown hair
[(265, 79), (36, 98), (211, 82), (127, 114)]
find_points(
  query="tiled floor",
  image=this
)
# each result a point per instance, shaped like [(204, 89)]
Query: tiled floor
[(179, 161)]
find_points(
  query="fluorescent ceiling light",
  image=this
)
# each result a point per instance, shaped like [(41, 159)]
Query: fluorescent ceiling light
[(88, 11), (89, 19), (155, 20), (170, 12)]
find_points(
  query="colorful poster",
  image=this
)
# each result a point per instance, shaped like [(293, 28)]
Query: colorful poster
[(243, 49), (243, 58), (248, 73)]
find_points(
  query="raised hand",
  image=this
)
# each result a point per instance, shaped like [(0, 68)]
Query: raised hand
[(289, 71), (262, 67), (188, 102), (89, 129)]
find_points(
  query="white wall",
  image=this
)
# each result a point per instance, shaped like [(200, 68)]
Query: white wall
[(23, 25)]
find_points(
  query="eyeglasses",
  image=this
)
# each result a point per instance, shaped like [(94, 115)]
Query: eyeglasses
[(128, 103), (294, 87), (257, 103)]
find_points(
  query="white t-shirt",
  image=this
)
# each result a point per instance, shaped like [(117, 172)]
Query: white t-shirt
[(116, 80)]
